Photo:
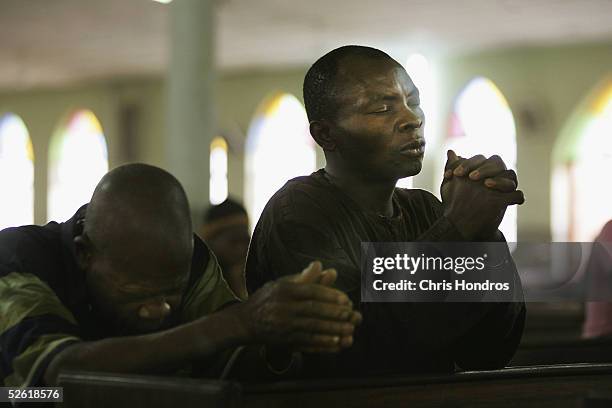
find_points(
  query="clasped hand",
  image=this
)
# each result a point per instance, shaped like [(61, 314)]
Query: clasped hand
[(476, 192), (302, 312)]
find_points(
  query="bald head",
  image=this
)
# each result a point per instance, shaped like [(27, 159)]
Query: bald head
[(138, 201), (136, 247)]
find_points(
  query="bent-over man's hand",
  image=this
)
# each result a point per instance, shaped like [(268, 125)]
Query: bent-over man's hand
[(302, 312)]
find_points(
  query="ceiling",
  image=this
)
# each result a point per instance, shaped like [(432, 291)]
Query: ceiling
[(57, 42)]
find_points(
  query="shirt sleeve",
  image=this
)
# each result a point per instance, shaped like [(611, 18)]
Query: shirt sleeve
[(288, 238), (34, 327), (209, 293)]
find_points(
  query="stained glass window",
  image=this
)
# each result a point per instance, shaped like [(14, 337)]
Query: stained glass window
[(482, 123), (581, 202), (78, 158), (16, 173), (279, 147), (218, 171)]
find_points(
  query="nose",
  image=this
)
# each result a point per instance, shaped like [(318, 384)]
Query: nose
[(157, 310), (411, 119)]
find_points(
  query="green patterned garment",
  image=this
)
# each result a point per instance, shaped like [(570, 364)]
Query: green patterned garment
[(43, 298)]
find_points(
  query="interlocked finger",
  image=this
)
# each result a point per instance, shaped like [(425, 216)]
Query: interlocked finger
[(491, 167), (500, 183), (469, 165), (321, 326), (324, 310)]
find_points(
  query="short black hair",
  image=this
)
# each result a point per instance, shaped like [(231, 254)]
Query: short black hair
[(225, 209), (321, 81)]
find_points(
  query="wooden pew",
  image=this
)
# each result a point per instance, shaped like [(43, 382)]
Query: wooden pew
[(579, 385), (563, 352), (103, 390), (543, 386)]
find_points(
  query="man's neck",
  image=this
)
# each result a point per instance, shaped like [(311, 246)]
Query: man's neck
[(372, 196)]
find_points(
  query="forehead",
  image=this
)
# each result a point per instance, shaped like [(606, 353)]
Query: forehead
[(159, 285), (142, 261), (140, 278), (372, 77)]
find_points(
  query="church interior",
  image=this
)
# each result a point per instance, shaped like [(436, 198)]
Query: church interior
[(211, 91)]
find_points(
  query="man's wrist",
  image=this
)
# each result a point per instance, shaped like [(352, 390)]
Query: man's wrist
[(235, 320), (461, 230), (221, 330)]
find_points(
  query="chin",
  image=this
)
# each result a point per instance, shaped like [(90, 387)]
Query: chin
[(410, 169)]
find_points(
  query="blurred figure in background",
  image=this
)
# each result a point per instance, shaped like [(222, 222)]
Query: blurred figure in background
[(226, 231)]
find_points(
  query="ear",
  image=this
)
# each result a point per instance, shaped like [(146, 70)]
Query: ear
[(83, 249), (321, 133)]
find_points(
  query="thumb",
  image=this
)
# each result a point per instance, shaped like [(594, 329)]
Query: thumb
[(451, 157), (311, 274), (451, 160), (328, 277), (515, 197)]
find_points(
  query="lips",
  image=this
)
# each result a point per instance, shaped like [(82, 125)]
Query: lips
[(416, 148)]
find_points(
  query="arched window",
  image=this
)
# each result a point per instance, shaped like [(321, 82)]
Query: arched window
[(16, 173), (278, 148), (78, 158), (581, 202), (482, 123), (218, 170)]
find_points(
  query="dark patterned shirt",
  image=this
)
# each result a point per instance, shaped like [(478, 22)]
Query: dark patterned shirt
[(311, 219)]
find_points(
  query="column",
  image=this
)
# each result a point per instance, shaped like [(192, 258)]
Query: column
[(191, 101)]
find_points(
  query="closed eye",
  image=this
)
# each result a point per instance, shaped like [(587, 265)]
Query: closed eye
[(382, 109)]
